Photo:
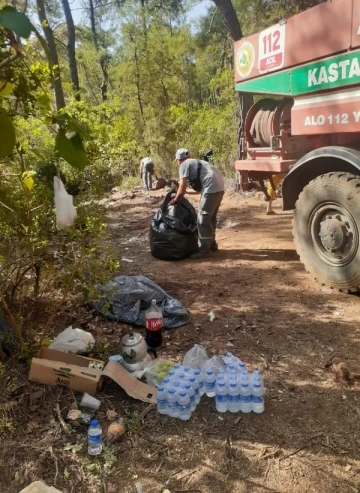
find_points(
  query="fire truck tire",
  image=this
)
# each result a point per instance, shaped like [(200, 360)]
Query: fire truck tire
[(326, 229)]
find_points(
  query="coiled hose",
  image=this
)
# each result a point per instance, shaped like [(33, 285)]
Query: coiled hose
[(262, 124)]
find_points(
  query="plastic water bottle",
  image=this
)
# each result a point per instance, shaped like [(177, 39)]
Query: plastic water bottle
[(172, 402), (195, 386), (184, 405), (182, 378), (258, 396), (231, 372), (228, 357), (245, 395), (171, 373), (235, 361), (176, 384), (210, 380), (256, 375), (242, 366), (94, 438), (234, 396), (191, 393), (188, 371), (221, 374), (221, 396), (166, 382), (244, 375), (161, 394), (199, 377), (177, 368)]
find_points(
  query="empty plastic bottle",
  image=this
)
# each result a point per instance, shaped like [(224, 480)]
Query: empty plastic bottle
[(191, 393), (210, 381), (258, 396), (233, 396), (221, 396), (94, 438), (195, 386), (172, 402), (184, 405), (245, 395), (199, 377), (161, 394)]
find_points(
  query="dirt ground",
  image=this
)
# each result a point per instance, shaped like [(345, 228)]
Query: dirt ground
[(271, 314)]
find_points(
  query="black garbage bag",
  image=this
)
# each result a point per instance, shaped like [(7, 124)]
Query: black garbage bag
[(173, 231), (126, 299)]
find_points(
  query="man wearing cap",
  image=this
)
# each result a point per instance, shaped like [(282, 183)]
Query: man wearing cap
[(207, 180), (147, 169)]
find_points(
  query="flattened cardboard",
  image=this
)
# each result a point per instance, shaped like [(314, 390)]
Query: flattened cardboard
[(52, 367), (134, 388)]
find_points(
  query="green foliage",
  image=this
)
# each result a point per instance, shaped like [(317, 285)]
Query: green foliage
[(70, 148), (16, 21)]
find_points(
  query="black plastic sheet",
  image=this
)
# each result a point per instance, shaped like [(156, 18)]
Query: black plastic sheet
[(126, 299)]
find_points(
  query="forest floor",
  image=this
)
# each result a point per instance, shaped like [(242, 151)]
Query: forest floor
[(307, 440)]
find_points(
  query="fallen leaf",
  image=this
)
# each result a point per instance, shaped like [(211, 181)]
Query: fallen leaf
[(111, 414), (347, 468)]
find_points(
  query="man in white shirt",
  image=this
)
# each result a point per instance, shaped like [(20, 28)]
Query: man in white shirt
[(207, 180), (147, 169)]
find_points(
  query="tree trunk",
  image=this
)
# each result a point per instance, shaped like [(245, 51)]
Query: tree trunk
[(245, 101), (71, 49), (102, 58), (93, 24), (104, 84), (54, 60), (230, 18)]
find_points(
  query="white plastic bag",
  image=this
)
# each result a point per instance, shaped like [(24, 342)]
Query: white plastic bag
[(65, 210), (73, 341), (214, 363), (195, 357)]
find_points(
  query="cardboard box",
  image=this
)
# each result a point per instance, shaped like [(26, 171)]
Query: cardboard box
[(52, 367), (39, 487)]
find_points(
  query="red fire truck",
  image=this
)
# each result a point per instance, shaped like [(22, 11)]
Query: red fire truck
[(308, 126)]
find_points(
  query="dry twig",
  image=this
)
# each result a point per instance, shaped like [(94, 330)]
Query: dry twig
[(61, 420)]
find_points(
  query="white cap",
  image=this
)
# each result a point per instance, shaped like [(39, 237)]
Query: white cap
[(147, 160), (182, 153)]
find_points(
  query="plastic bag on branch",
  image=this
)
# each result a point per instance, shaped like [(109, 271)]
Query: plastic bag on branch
[(65, 210)]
